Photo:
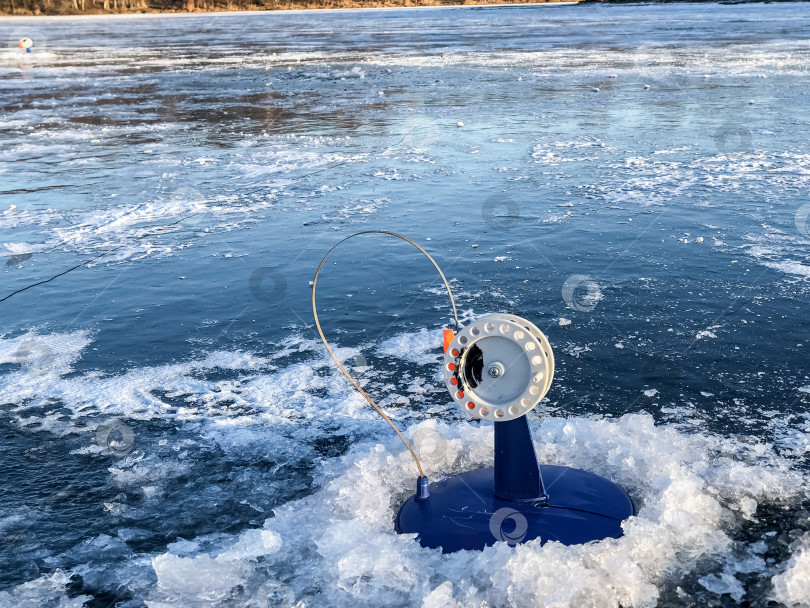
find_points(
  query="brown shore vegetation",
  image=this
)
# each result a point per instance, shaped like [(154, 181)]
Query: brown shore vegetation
[(103, 7)]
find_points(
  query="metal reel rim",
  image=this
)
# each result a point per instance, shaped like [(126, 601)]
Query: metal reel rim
[(533, 344)]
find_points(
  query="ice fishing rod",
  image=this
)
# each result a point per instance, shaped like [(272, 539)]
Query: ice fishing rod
[(498, 368), (332, 354)]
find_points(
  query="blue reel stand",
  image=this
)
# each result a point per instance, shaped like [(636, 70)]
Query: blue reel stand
[(499, 368)]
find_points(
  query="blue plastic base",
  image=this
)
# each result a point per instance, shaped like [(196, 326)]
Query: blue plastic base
[(462, 512)]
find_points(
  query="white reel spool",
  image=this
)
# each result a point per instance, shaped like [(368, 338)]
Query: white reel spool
[(499, 367)]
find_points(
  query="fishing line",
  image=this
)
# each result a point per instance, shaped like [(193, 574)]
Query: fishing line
[(332, 354), (113, 250), (99, 256)]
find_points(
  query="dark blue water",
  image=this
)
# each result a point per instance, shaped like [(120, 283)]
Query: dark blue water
[(633, 179)]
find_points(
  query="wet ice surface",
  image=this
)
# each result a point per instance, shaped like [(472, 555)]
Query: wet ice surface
[(173, 432)]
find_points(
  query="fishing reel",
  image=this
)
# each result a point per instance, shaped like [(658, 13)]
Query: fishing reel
[(499, 368)]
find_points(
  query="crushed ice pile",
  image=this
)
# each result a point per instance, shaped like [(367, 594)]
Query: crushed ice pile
[(335, 546)]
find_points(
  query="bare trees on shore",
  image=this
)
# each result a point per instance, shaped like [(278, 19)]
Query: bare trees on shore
[(74, 7)]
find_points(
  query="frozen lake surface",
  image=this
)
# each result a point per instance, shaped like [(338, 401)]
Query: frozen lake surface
[(633, 179)]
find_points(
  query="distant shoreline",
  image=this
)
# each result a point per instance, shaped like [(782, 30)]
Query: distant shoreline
[(79, 8), (11, 9)]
